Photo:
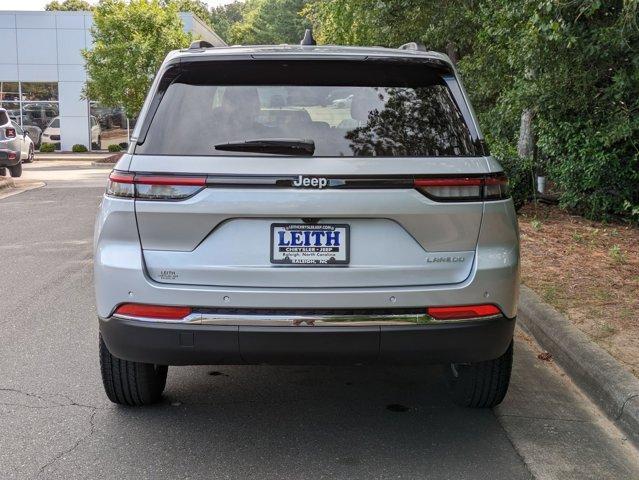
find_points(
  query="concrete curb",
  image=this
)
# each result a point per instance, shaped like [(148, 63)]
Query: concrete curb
[(66, 157), (610, 386), (6, 182)]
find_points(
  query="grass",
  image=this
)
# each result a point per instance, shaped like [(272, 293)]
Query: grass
[(616, 254), (587, 270), (606, 330), (535, 224)]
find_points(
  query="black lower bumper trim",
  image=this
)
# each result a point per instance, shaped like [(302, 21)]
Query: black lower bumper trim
[(184, 344)]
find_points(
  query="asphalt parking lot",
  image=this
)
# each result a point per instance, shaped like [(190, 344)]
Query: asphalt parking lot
[(245, 422)]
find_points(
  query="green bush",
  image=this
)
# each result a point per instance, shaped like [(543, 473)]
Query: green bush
[(595, 167), (47, 147), (115, 148), (520, 172), (78, 148)]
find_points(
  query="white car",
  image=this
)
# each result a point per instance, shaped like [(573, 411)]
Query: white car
[(51, 134), (16, 146)]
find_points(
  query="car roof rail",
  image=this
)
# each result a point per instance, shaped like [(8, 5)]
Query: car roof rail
[(200, 44), (417, 46)]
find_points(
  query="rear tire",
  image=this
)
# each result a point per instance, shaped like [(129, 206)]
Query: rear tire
[(482, 384), (131, 383), (16, 170)]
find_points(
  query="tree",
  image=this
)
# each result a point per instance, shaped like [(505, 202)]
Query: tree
[(224, 17), (562, 73), (69, 5), (198, 7), (130, 42), (270, 22)]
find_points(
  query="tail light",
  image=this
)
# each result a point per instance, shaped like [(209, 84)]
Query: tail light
[(12, 156), (153, 187), (464, 189), (463, 312), (10, 132), (159, 312)]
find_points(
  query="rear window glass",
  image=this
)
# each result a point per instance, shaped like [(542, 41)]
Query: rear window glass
[(351, 109), (3, 118)]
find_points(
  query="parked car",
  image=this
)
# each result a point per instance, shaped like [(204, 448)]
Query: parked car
[(389, 238), (343, 102), (15, 146), (96, 133), (109, 118), (51, 133), (39, 114), (34, 132)]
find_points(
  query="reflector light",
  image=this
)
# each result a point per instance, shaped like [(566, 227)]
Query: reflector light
[(159, 312), (462, 312), (10, 132), (12, 155)]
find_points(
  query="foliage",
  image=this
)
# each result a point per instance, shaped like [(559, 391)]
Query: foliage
[(130, 41), (198, 7), (69, 5), (79, 148), (263, 22), (222, 18), (47, 147), (114, 147), (574, 64), (520, 172)]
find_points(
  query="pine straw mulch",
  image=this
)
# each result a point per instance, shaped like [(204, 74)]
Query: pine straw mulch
[(587, 270)]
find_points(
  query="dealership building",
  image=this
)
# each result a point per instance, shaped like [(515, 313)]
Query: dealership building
[(42, 75)]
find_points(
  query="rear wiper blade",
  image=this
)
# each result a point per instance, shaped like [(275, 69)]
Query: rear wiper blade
[(276, 146)]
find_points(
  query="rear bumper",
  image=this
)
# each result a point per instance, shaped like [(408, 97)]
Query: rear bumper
[(167, 343), (4, 158)]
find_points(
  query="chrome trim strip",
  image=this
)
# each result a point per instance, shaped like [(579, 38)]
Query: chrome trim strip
[(193, 318), (287, 320)]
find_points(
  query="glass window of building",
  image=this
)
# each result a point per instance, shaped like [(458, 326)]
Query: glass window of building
[(108, 126), (33, 106)]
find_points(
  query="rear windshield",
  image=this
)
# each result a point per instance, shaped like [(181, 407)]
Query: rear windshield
[(349, 109), (3, 117)]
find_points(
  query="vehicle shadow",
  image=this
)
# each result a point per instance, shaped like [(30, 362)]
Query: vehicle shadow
[(310, 422)]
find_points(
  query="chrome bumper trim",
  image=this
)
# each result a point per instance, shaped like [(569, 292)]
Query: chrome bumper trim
[(286, 320)]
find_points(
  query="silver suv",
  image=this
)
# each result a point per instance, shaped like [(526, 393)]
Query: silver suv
[(255, 220)]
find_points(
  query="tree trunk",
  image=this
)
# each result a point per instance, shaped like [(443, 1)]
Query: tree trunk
[(451, 51), (526, 143)]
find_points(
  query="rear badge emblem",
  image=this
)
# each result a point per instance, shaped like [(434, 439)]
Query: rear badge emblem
[(444, 259), (315, 182)]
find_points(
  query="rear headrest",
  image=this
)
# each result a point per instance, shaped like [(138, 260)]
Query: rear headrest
[(365, 101), (241, 99)]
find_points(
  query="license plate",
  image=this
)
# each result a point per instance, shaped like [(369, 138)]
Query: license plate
[(309, 244)]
